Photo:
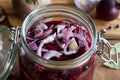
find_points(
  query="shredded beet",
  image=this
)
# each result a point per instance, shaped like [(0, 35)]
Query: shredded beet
[(58, 39)]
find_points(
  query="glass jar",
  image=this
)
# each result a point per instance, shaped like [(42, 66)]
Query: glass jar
[(33, 67), (8, 52)]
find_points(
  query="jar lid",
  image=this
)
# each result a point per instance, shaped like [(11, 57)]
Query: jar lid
[(8, 52)]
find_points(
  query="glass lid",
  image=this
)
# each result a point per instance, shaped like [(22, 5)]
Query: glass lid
[(8, 52)]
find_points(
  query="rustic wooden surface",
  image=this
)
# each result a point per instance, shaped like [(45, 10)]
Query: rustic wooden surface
[(101, 72)]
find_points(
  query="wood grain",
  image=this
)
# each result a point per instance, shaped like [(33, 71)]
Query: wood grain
[(113, 33), (101, 72)]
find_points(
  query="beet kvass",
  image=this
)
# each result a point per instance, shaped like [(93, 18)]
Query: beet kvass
[(58, 44)]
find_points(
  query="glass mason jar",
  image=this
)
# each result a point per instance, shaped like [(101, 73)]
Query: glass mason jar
[(33, 67), (8, 52)]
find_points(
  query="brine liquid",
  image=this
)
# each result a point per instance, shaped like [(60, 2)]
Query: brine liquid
[(51, 42)]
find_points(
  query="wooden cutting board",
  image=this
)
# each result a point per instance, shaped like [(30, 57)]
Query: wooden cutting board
[(112, 32)]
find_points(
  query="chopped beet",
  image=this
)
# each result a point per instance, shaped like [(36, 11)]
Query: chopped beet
[(66, 41), (61, 32)]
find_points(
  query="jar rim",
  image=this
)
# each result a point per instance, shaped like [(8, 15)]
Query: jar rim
[(59, 64)]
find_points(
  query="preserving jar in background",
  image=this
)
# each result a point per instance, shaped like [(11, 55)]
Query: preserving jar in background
[(8, 52)]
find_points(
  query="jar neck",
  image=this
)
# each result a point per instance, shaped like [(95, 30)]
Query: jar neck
[(59, 12)]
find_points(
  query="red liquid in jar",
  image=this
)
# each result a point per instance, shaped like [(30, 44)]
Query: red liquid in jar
[(60, 41)]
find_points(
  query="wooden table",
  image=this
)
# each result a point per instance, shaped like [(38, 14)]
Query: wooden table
[(101, 72)]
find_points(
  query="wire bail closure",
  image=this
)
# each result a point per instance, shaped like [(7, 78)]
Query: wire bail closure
[(15, 34), (103, 44), (15, 37)]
